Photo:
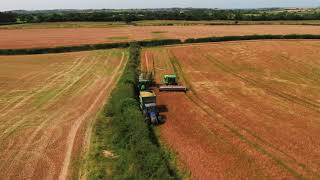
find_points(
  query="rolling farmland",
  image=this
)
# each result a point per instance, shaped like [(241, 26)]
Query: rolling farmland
[(252, 109), (51, 37), (47, 106)]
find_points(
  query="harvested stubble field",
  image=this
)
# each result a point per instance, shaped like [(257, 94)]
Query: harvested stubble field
[(47, 104), (52, 37), (252, 111)]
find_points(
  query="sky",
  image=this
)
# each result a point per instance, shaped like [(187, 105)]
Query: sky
[(125, 4)]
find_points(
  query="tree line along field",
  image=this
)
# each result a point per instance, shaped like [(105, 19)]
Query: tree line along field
[(252, 110), (48, 25), (52, 37), (47, 105)]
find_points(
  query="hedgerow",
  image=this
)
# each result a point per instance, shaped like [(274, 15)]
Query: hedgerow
[(120, 129), (160, 42), (62, 49), (251, 37)]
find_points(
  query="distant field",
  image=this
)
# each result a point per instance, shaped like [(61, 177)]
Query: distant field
[(51, 37), (222, 22), (252, 110), (54, 25), (47, 103)]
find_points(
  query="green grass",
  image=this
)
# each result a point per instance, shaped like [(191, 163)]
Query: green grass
[(44, 96), (159, 32), (118, 38), (76, 164), (120, 129)]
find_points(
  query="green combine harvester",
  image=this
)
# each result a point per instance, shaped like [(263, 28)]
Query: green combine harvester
[(171, 84)]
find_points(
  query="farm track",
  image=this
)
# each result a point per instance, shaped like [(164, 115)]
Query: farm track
[(41, 132), (252, 152)]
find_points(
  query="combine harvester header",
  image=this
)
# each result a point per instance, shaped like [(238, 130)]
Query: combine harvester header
[(173, 88), (171, 84)]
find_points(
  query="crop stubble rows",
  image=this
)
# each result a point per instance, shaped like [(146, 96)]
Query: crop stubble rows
[(252, 110), (46, 103), (52, 37)]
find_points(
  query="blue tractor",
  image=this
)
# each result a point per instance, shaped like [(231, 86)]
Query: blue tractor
[(149, 107)]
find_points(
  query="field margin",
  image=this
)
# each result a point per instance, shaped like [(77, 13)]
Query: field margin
[(88, 47), (123, 146)]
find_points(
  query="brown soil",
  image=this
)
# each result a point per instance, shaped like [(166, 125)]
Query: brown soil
[(31, 38), (46, 103), (252, 111)]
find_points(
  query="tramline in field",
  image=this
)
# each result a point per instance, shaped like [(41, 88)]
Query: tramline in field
[(245, 107), (47, 103)]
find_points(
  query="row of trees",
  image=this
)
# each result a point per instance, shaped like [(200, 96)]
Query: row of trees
[(170, 14), (7, 17), (89, 47)]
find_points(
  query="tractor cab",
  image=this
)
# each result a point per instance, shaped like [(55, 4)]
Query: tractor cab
[(170, 79), (145, 81), (144, 84)]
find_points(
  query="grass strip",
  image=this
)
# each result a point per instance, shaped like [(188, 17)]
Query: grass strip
[(123, 146)]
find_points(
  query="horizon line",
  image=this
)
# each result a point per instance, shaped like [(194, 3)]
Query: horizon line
[(149, 8)]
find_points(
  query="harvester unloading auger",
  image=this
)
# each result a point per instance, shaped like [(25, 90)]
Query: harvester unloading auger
[(145, 81), (171, 84)]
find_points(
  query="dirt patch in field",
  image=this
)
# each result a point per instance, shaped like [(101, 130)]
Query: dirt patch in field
[(251, 112), (46, 105), (32, 38)]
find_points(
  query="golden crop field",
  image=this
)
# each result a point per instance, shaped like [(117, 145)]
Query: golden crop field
[(252, 109), (47, 105), (51, 37)]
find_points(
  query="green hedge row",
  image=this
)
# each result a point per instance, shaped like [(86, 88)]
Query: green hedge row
[(62, 49), (251, 37), (147, 43), (160, 42), (121, 130)]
